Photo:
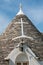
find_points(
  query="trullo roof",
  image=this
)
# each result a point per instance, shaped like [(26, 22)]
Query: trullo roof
[(20, 28)]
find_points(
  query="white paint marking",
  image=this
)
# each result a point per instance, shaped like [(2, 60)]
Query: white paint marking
[(23, 36), (22, 27), (20, 23)]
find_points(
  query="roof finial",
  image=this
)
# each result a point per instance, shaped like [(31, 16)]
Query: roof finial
[(20, 6), (20, 11)]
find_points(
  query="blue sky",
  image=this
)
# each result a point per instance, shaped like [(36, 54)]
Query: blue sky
[(32, 8)]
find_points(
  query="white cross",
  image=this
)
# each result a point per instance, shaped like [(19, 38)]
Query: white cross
[(22, 31)]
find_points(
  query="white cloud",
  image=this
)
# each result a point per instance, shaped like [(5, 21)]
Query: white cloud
[(7, 0), (36, 15), (4, 21)]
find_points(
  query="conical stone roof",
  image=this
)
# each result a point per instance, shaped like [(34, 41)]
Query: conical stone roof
[(20, 28), (14, 29)]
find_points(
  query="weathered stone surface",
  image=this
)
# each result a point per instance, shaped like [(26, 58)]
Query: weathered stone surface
[(13, 30)]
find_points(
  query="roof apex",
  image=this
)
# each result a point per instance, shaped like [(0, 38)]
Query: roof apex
[(20, 10)]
